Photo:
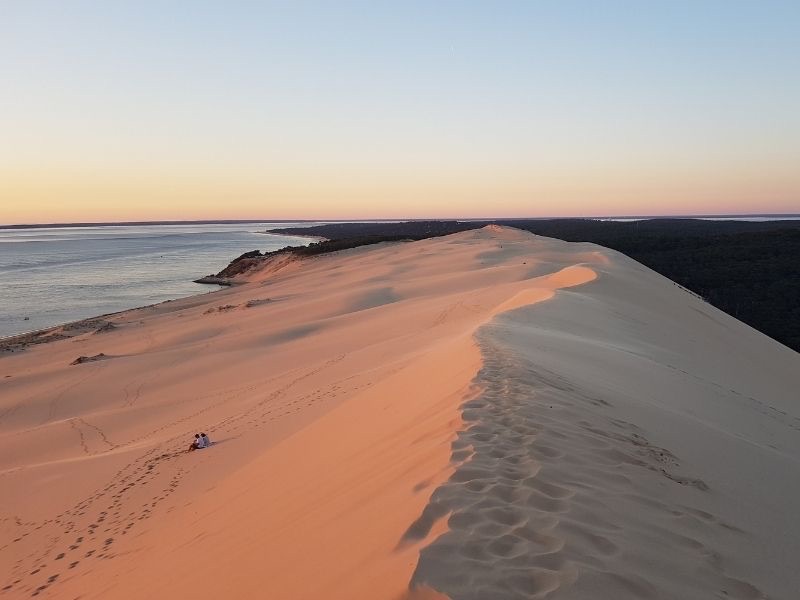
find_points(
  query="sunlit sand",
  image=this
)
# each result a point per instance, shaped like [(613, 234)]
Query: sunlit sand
[(486, 415)]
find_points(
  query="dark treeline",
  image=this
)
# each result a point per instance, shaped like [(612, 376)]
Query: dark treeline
[(336, 244), (751, 270)]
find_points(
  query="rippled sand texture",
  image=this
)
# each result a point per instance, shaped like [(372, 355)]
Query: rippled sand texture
[(630, 442)]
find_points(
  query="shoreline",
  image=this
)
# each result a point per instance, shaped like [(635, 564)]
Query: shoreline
[(7, 340)]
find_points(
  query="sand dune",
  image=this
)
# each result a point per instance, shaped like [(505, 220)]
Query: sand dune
[(486, 415)]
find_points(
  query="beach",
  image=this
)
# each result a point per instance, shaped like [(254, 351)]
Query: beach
[(55, 275), (485, 415)]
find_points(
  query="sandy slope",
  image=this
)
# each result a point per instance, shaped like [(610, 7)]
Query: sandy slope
[(621, 440), (630, 441)]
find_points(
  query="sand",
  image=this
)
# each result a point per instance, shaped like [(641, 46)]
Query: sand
[(487, 415)]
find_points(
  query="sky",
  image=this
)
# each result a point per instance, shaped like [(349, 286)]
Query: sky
[(376, 110)]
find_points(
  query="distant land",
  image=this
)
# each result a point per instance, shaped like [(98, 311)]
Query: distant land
[(477, 219), (145, 223)]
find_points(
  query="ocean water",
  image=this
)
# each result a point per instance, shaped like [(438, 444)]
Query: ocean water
[(57, 275)]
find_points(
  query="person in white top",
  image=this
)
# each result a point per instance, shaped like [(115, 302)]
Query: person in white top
[(197, 443), (205, 439)]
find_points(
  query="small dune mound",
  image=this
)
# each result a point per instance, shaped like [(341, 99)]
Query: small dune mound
[(257, 302), (85, 359), (220, 309)]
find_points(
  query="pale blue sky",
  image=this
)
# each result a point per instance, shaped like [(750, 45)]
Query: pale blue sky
[(350, 109)]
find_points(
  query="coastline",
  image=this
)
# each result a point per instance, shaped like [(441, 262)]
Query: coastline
[(65, 275), (82, 326)]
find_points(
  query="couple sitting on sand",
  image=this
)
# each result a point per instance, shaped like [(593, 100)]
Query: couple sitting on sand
[(200, 441)]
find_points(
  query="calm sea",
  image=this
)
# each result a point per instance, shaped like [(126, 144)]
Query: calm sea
[(63, 274)]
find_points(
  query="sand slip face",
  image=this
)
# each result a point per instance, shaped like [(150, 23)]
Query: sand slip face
[(630, 441), (331, 387)]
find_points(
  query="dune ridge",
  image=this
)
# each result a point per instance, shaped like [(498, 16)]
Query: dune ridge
[(365, 436), (626, 444)]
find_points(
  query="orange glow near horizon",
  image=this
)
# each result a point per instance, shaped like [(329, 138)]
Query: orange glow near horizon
[(62, 198), (416, 110)]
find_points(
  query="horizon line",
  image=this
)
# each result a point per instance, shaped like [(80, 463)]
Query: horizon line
[(386, 220)]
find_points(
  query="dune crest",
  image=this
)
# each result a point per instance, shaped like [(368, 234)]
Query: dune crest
[(348, 395)]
